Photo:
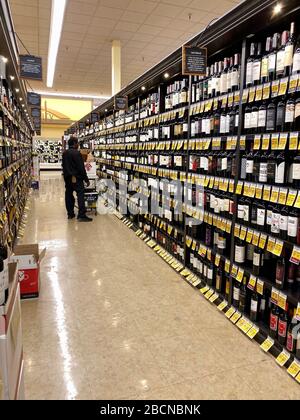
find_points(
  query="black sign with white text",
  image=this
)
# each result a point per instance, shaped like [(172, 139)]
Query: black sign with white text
[(194, 61), (31, 67), (121, 103)]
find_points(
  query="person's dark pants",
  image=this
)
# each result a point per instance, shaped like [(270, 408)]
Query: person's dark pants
[(78, 187)]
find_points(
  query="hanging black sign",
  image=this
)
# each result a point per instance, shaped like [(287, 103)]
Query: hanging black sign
[(194, 61), (36, 112), (33, 99), (81, 126), (94, 117), (31, 67), (121, 103)]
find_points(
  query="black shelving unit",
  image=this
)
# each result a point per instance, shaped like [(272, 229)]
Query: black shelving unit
[(233, 33)]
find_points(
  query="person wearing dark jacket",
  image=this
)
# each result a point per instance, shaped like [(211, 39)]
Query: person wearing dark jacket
[(75, 175)]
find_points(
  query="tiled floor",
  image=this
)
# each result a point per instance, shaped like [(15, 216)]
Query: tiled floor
[(115, 322)]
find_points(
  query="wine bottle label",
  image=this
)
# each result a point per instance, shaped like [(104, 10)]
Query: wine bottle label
[(227, 125), (262, 305), (240, 254), (271, 119), (226, 205), (217, 85), (241, 212), (236, 294), (210, 273), (297, 109), (249, 73), (290, 342), (248, 120), (185, 127), (223, 83), (264, 67), (275, 223), (246, 213), (209, 88), (223, 124), (296, 171), (243, 167), (261, 215), (292, 226), (254, 119), (254, 305), (224, 164), (282, 328), (262, 115), (234, 78), (263, 172), (256, 70), (178, 160), (280, 61), (279, 173), (250, 252), (236, 124), (249, 166), (280, 116), (272, 62), (273, 322), (289, 113), (269, 217), (296, 61), (218, 282), (221, 242), (283, 223), (256, 259), (288, 55)]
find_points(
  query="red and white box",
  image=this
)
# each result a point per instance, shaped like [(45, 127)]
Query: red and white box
[(28, 258)]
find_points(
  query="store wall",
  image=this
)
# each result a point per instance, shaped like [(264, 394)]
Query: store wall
[(58, 114)]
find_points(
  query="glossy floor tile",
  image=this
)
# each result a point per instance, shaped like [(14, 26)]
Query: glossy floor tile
[(113, 321)]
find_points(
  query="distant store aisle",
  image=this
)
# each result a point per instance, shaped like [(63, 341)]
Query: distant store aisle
[(114, 321)]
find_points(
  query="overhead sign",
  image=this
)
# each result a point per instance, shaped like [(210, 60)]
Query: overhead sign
[(194, 61), (121, 103), (81, 126), (94, 117), (33, 99), (31, 67), (36, 112)]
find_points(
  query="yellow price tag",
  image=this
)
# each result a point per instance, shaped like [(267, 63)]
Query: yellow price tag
[(297, 202), (252, 91), (217, 260), (271, 244), (235, 317), (282, 196), (258, 192), (240, 275), (231, 186), (277, 250), (267, 193), (298, 378), (237, 230), (239, 188), (257, 140), (253, 332), (204, 289), (209, 294), (255, 238), (259, 92), (214, 297), (230, 312), (274, 295), (222, 305), (249, 236), (282, 141), (266, 91), (282, 298), (227, 266), (275, 88), (247, 327), (274, 141), (243, 233), (295, 257), (294, 369), (293, 141), (267, 344), (291, 197), (262, 240), (234, 270), (274, 195), (265, 142), (252, 282), (260, 287)]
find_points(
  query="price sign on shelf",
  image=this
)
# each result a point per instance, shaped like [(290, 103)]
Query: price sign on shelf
[(230, 312), (293, 141), (283, 357), (282, 298), (260, 287), (214, 297), (235, 317), (294, 369), (222, 305), (252, 282), (253, 332), (298, 312), (267, 344), (295, 257), (274, 295)]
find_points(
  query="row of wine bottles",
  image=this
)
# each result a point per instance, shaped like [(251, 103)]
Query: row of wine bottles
[(3, 274)]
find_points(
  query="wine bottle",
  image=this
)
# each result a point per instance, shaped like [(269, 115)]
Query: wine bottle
[(289, 51), (236, 294), (291, 274), (262, 117), (240, 250), (254, 307), (280, 118), (261, 216), (2, 287), (297, 115), (247, 119), (249, 67), (263, 169), (264, 76), (280, 164), (274, 318), (219, 280), (280, 273), (293, 226), (235, 75), (275, 225), (283, 223), (271, 116), (289, 114), (262, 308), (227, 286), (256, 66), (258, 261), (298, 344), (272, 57), (282, 328), (280, 55), (296, 58), (254, 119), (243, 295), (292, 335), (295, 172)]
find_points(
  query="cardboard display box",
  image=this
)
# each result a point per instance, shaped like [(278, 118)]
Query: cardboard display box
[(28, 258)]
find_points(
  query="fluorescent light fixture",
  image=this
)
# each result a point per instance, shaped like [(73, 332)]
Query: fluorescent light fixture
[(57, 19), (71, 95)]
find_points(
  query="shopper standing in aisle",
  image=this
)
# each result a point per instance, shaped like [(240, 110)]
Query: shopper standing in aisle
[(75, 175)]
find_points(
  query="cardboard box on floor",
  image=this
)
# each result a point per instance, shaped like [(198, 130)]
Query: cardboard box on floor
[(28, 258)]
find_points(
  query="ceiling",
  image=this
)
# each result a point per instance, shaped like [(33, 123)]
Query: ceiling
[(149, 30)]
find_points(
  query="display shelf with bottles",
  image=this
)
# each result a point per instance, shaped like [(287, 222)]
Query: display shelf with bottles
[(230, 139)]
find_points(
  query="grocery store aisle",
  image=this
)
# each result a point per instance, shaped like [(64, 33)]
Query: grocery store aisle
[(115, 322)]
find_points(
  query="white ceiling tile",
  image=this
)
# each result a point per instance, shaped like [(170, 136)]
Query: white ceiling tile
[(108, 12), (129, 16), (149, 30), (167, 10), (77, 18), (116, 4), (141, 6), (127, 26)]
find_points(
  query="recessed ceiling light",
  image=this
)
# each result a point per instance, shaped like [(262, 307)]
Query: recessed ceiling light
[(57, 19), (17, 90), (23, 106), (12, 77), (143, 88), (166, 75), (4, 59), (277, 8), (106, 110), (21, 99)]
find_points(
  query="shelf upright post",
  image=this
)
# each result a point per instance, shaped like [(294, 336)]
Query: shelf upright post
[(138, 144), (187, 163), (237, 158)]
